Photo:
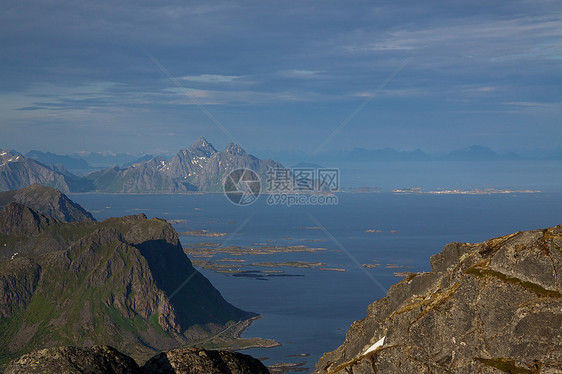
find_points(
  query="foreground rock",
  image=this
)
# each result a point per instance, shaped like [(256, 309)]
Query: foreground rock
[(196, 360), (107, 360), (70, 360), (491, 307)]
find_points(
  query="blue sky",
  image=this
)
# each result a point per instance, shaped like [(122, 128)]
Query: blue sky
[(306, 76)]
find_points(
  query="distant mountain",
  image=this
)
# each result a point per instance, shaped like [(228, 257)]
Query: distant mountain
[(17, 171), (72, 163), (47, 201), (104, 160), (199, 168), (125, 282), (473, 153), (386, 154), (139, 160), (305, 164)]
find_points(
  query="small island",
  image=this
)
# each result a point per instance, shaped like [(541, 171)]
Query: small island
[(295, 264), (211, 249), (202, 253), (202, 233)]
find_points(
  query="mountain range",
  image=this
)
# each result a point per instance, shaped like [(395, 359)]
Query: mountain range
[(83, 163), (199, 168), (471, 153), (125, 281)]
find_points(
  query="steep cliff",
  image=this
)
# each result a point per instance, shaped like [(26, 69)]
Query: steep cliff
[(491, 307), (124, 281)]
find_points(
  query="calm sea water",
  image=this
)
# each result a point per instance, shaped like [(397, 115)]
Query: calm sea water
[(310, 312)]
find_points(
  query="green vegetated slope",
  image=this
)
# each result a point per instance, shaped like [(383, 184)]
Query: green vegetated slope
[(124, 282)]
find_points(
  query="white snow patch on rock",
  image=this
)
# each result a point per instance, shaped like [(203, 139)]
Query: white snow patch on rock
[(380, 343)]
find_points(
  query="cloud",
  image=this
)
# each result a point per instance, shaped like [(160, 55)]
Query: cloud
[(314, 62), (300, 73), (211, 78)]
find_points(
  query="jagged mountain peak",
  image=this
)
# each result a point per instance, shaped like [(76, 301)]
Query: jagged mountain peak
[(199, 168), (235, 149), (202, 148)]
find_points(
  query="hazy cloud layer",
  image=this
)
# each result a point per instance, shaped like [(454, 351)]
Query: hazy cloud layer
[(140, 76)]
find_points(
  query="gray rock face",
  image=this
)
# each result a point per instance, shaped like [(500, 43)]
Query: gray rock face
[(201, 361), (199, 168), (491, 307), (17, 171), (47, 201), (74, 360)]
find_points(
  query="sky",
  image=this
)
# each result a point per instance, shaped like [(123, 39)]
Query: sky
[(302, 76)]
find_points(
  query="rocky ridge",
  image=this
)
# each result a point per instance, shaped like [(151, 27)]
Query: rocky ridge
[(107, 360), (492, 307)]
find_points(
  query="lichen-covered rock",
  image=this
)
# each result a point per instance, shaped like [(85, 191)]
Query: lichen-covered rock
[(98, 359), (491, 307), (102, 359), (201, 361)]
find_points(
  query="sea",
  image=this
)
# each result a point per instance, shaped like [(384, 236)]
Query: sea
[(370, 237)]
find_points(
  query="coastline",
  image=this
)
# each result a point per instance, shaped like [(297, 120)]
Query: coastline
[(231, 338)]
